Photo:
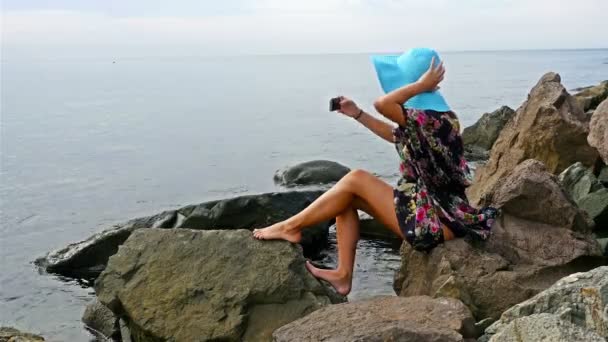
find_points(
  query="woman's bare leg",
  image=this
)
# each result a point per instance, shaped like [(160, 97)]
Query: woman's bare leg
[(347, 229), (357, 189)]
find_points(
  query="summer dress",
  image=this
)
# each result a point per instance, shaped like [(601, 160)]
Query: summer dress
[(434, 176)]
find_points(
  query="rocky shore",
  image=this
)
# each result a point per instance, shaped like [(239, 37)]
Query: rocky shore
[(196, 274)]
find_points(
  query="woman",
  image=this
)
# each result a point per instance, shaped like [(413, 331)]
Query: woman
[(428, 205)]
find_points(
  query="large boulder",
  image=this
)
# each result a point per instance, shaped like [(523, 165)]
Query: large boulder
[(543, 327), (598, 132), (540, 237), (8, 334), (486, 130), (550, 127), (590, 97), (220, 285), (580, 299), (86, 259), (311, 173), (384, 319)]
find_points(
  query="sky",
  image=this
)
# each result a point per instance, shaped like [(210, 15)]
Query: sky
[(219, 27)]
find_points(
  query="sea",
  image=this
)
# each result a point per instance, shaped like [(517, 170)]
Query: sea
[(86, 143)]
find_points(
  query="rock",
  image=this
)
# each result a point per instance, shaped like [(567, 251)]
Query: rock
[(475, 153), (540, 237), (8, 334), (311, 173), (603, 245), (371, 228), (580, 299), (384, 319), (579, 181), (603, 176), (550, 127), (86, 259), (192, 285), (485, 131), (598, 130), (544, 327), (532, 193), (590, 97), (100, 319), (596, 206)]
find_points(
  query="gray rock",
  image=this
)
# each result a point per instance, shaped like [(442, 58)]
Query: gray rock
[(86, 259), (603, 176), (384, 319), (541, 237), (590, 97), (475, 153), (189, 285), (598, 130), (596, 206), (580, 299), (485, 131), (544, 327), (311, 173), (603, 245), (579, 181), (100, 319), (8, 334)]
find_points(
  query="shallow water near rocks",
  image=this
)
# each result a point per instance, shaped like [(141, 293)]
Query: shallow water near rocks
[(375, 265)]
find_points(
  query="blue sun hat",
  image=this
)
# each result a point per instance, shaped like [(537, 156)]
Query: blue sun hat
[(395, 71)]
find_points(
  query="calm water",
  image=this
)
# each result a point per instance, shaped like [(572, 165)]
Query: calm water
[(87, 143)]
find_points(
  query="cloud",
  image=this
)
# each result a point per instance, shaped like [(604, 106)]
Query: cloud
[(313, 26)]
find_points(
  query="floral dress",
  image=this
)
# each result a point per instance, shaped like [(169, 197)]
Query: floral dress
[(434, 176)]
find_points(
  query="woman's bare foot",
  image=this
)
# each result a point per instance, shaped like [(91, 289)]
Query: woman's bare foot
[(341, 282), (279, 231)]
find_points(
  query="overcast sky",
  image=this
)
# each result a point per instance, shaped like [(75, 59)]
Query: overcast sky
[(201, 27)]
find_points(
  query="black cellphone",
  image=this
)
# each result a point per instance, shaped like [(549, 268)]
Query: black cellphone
[(334, 104)]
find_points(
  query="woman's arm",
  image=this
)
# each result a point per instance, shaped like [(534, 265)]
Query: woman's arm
[(377, 126), (380, 128), (390, 105)]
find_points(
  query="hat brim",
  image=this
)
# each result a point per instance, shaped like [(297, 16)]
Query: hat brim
[(392, 77)]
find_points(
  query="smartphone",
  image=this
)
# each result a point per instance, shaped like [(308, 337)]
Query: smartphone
[(334, 104)]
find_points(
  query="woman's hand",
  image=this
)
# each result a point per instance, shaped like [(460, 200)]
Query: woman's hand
[(348, 107), (430, 80)]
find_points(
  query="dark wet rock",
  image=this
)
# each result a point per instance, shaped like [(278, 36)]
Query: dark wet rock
[(384, 319), (8, 334), (590, 97), (371, 228), (550, 127), (101, 320), (189, 285), (485, 131), (598, 130), (540, 237), (311, 173), (576, 305), (86, 259)]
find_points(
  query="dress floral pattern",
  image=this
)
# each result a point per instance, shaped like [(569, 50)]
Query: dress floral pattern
[(434, 176)]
